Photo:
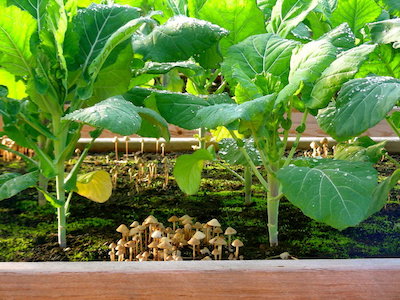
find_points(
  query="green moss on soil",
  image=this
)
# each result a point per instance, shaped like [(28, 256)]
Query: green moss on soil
[(29, 233)]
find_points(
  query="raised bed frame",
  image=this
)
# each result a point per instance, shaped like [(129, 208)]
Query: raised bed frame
[(256, 279)]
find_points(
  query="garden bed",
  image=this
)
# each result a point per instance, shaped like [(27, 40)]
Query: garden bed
[(29, 232), (302, 279)]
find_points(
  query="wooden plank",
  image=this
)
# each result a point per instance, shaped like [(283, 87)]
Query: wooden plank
[(302, 279)]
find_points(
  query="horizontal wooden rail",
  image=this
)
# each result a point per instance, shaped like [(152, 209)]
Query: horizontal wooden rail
[(267, 279)]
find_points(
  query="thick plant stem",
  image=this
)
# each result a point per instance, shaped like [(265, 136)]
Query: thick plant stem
[(62, 240), (247, 185), (393, 126), (59, 146), (273, 209), (202, 141)]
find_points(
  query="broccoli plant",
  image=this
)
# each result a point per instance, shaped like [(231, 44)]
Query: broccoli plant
[(308, 59), (71, 63)]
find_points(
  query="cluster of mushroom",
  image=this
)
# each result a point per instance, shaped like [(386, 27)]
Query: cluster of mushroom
[(152, 241), (318, 150), (9, 156), (142, 173)]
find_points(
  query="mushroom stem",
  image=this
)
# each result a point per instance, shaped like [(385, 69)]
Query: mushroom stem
[(116, 147), (237, 253), (142, 146), (194, 252), (220, 251)]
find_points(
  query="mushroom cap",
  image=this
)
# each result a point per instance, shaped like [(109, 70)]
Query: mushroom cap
[(133, 231), (206, 258), (185, 217), (187, 227), (324, 140), (115, 139), (214, 223), (212, 241), (237, 243), (197, 225), (120, 248), (178, 258), (126, 138), (215, 252), (169, 258), (123, 229), (199, 235), (112, 246), (156, 234), (187, 221), (193, 242), (140, 227), (134, 223), (218, 230), (150, 220), (121, 242), (313, 145), (165, 160), (205, 250), (130, 244), (173, 219), (230, 231), (164, 245), (153, 244), (220, 241), (146, 254)]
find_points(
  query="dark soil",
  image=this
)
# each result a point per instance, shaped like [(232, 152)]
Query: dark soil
[(29, 232)]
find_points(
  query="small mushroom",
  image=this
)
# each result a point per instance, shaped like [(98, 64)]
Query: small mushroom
[(206, 258), (220, 242), (199, 235), (166, 246), (115, 140), (123, 230), (130, 245), (237, 244), (162, 149), (112, 246), (215, 252), (121, 250), (229, 232), (126, 140), (194, 242), (142, 146)]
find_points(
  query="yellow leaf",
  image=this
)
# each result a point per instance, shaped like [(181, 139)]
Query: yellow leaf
[(16, 89), (95, 186), (222, 133)]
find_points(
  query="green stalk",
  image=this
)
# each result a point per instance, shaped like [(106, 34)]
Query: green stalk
[(232, 172), (393, 126), (202, 141), (273, 198), (247, 185), (59, 146), (297, 140), (250, 162)]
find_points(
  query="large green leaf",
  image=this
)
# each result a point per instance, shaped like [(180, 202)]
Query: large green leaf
[(13, 183), (115, 114), (287, 14), (338, 72), (37, 9), (361, 104), (360, 151), (178, 39), (228, 150), (337, 193), (194, 7), (16, 29), (356, 13), (187, 170), (308, 62), (341, 37), (381, 192), (259, 54), (393, 6), (93, 26), (386, 32), (153, 125), (384, 61), (113, 79), (224, 114), (180, 109), (16, 88), (187, 67), (242, 18)]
